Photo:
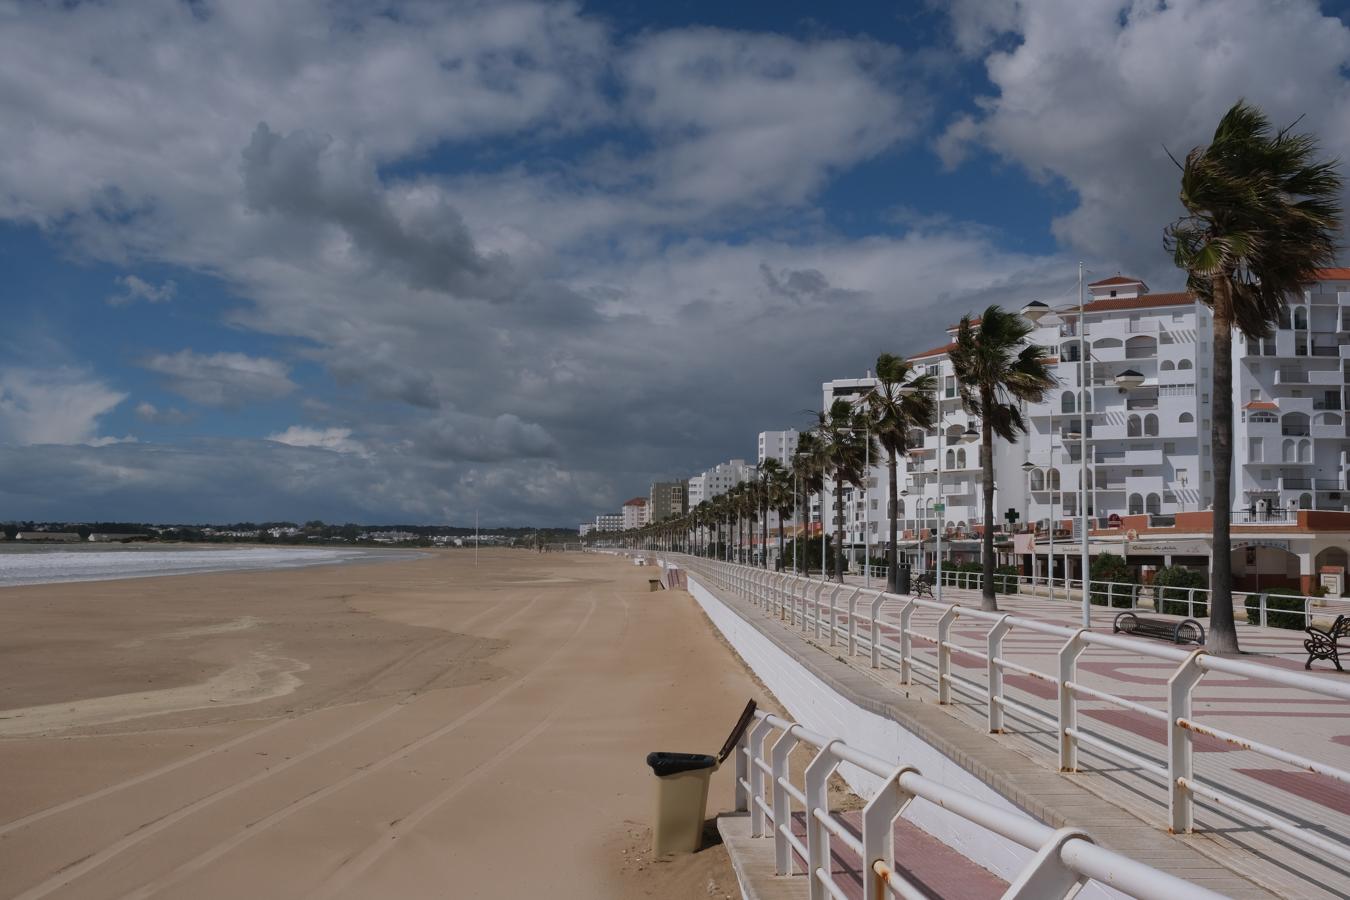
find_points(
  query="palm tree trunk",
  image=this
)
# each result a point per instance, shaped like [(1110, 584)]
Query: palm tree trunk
[(839, 529), (892, 551), (1222, 630), (764, 536), (988, 599), (781, 557)]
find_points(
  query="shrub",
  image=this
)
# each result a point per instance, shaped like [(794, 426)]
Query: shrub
[(1169, 590), (1112, 568), (1006, 579), (1280, 598)]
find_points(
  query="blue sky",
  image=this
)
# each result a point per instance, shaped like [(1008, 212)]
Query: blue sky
[(403, 261)]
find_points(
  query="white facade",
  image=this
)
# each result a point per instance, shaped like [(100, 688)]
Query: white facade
[(1291, 447), (696, 492), (718, 480), (585, 528), (779, 445), (864, 509), (635, 513), (609, 522)]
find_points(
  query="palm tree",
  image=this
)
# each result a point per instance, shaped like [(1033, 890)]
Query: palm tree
[(769, 469), (841, 438), (997, 371), (901, 400), (809, 476), (1261, 217), (776, 485)]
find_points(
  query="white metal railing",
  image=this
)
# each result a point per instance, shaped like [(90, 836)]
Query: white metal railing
[(851, 615), (1063, 859)]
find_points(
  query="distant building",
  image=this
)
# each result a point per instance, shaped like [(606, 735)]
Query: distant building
[(57, 537), (723, 477), (779, 445), (696, 492), (635, 513), (609, 522), (668, 499), (585, 528), (391, 537)]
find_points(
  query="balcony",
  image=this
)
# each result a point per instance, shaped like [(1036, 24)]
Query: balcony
[(1128, 458)]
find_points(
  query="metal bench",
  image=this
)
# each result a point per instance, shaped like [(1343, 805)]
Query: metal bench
[(1187, 631), (1324, 644), (923, 586)]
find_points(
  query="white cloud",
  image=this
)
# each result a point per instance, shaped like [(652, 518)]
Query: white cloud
[(153, 415), (134, 288), (222, 379), (338, 440), (1092, 93), (54, 406)]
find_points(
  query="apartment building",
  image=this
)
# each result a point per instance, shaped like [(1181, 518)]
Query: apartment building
[(635, 513), (667, 499), (718, 480), (779, 445), (1292, 447), (609, 522)]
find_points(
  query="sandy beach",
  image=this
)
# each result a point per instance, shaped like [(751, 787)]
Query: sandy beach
[(419, 728)]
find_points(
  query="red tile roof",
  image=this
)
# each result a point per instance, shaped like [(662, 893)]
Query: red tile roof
[(1260, 404), (1116, 279), (1145, 301), (936, 351), (1334, 274), (636, 501)]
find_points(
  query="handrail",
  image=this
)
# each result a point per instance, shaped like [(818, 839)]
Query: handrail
[(1063, 859), (892, 644)]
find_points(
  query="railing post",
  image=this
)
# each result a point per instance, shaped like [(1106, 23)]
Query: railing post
[(994, 650), (875, 616), (906, 616), (1068, 704), (944, 654), (852, 624), (1047, 875), (817, 837), (1179, 751), (782, 804), (878, 832), (757, 736), (742, 772)]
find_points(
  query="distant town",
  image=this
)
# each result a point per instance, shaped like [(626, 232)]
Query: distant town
[(312, 532)]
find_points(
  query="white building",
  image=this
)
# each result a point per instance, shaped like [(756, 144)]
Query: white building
[(635, 513), (718, 480), (585, 528), (1292, 446), (609, 522), (779, 445)]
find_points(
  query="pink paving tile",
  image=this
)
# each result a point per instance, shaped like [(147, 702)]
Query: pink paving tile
[(1154, 729), (934, 868), (1342, 739), (1309, 785)]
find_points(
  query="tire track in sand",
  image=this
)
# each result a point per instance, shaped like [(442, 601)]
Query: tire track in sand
[(257, 827), (149, 829), (76, 802)]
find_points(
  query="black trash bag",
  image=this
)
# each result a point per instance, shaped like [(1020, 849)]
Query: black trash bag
[(675, 763)]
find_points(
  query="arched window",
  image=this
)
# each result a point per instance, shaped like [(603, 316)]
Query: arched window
[(899, 509), (1054, 479), (1327, 418), (1037, 480), (1154, 505), (1294, 424), (1300, 317), (1141, 347), (1151, 425), (951, 459), (1136, 505), (1305, 451), (1134, 427), (960, 459), (1185, 417), (1167, 365), (1184, 364), (1069, 351), (1066, 404), (1107, 344), (1289, 452), (1305, 501)]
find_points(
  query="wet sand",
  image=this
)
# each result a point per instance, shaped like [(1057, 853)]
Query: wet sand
[(407, 729)]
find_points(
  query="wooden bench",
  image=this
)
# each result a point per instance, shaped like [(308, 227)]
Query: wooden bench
[(1324, 644), (922, 586), (1187, 631)]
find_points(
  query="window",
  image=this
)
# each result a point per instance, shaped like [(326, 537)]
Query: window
[(1169, 448), (1185, 364), (1136, 473), (1187, 417), (1254, 449)]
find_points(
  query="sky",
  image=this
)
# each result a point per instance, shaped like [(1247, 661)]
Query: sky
[(405, 261)]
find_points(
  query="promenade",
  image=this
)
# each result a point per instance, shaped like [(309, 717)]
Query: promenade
[(1123, 752)]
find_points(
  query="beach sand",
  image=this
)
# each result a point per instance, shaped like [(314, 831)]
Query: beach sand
[(418, 728)]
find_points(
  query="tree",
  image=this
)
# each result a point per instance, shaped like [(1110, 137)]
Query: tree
[(808, 475), (778, 496), (901, 401), (997, 371), (842, 440), (1261, 217)]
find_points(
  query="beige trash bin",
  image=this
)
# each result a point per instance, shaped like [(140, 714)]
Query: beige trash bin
[(682, 792), (681, 800)]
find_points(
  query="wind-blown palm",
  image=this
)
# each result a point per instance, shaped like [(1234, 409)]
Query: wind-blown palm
[(778, 496), (842, 446), (808, 477), (901, 401), (1262, 217), (997, 371)]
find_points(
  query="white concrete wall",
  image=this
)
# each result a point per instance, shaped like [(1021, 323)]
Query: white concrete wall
[(816, 705)]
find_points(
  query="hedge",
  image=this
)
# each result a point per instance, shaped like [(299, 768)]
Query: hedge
[(1168, 590), (1280, 598)]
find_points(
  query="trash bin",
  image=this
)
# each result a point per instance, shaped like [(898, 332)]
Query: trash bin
[(682, 791), (902, 579)]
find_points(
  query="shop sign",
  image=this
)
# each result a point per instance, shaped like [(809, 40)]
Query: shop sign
[(1166, 548), (1271, 545)]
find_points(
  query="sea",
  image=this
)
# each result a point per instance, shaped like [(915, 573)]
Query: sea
[(20, 565)]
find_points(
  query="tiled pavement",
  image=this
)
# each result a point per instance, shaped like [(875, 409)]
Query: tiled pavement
[(1301, 722)]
